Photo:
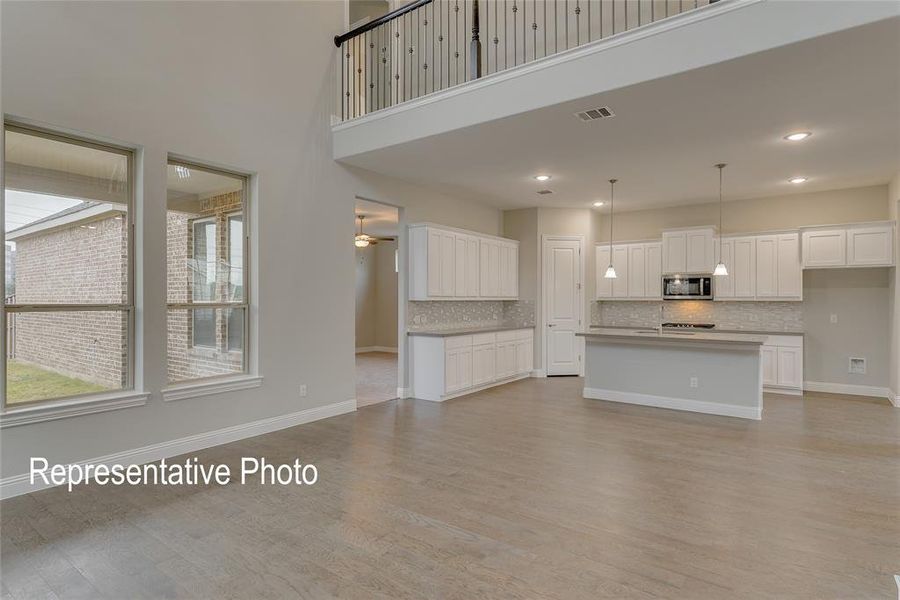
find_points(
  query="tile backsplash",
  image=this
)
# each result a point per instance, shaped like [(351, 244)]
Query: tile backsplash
[(767, 316), (454, 314)]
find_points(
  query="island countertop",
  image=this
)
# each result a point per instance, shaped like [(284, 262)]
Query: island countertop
[(652, 334), (449, 332), (713, 330)]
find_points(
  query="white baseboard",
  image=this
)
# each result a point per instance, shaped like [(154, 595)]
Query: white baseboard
[(782, 391), (403, 392), (700, 406), (16, 485), (850, 389), (538, 373), (364, 349)]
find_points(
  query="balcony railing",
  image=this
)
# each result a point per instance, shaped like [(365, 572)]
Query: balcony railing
[(430, 45)]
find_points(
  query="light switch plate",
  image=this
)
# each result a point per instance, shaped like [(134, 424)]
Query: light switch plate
[(303, 390)]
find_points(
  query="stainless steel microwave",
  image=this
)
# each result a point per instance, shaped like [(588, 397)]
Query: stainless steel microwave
[(687, 287)]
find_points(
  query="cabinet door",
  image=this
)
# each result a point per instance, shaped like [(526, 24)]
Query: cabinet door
[(789, 276), (484, 362), (825, 248), (724, 284), (509, 271), (674, 252), (790, 367), (766, 266), (870, 246), (637, 271), (699, 248), (451, 371), (620, 263), (769, 358), (472, 266), (524, 356), (653, 270), (742, 268), (604, 286), (514, 271), (461, 264), (464, 362), (448, 263), (490, 269), (434, 262)]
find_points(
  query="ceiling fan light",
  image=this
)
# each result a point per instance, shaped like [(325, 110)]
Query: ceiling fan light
[(610, 273), (720, 270), (361, 243)]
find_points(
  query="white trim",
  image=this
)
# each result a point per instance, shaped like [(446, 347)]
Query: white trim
[(700, 406), (364, 349), (598, 46), (72, 408), (17, 485), (208, 388), (784, 391), (849, 389), (538, 373), (403, 392)]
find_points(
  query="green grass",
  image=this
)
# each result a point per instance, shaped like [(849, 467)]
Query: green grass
[(25, 382)]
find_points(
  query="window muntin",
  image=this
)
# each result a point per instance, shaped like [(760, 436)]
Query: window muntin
[(68, 265), (207, 272)]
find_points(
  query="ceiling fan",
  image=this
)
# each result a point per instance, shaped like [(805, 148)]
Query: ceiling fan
[(361, 240)]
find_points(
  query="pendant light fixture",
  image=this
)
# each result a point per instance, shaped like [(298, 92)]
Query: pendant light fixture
[(721, 270), (611, 271)]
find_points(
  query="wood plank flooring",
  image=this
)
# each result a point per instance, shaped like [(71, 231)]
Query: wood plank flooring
[(376, 377), (522, 491)]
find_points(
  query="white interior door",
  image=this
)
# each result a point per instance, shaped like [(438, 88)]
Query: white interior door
[(562, 309)]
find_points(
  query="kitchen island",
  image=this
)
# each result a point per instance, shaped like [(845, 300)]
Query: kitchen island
[(714, 373)]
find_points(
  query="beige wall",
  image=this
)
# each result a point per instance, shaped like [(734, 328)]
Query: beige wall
[(759, 214), (894, 310), (522, 225), (385, 295), (365, 298)]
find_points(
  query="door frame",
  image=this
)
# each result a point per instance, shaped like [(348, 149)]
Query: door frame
[(543, 317)]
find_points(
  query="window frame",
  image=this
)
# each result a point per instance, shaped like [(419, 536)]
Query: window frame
[(228, 219), (127, 307), (245, 303)]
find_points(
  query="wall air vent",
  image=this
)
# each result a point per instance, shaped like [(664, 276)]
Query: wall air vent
[(595, 113), (544, 192)]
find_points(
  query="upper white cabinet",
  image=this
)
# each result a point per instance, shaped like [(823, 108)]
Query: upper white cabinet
[(851, 246), (688, 250), (761, 267), (449, 264), (638, 271)]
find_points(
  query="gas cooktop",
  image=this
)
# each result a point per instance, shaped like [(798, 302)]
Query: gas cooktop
[(689, 325)]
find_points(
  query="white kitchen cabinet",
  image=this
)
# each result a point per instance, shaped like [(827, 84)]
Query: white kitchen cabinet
[(688, 251), (448, 366), (636, 282), (620, 264), (450, 264), (870, 246), (742, 268), (653, 270), (723, 285), (782, 364), (825, 248), (604, 285), (778, 274), (766, 266)]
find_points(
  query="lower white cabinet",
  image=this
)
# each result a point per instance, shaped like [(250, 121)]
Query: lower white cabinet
[(444, 367), (782, 364)]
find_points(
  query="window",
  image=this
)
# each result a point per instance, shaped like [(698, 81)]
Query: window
[(67, 306), (206, 272)]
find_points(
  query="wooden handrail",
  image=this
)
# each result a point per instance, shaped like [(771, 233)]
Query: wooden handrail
[(340, 39)]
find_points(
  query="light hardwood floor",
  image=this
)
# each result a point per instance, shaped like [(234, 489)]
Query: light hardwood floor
[(521, 491), (376, 377)]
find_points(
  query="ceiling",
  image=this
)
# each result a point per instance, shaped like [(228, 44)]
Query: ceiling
[(381, 220), (667, 134)]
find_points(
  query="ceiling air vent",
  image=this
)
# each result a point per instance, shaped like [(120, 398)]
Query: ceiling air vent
[(544, 192), (595, 113)]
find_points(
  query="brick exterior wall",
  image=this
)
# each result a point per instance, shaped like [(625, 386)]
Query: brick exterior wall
[(185, 361), (80, 264)]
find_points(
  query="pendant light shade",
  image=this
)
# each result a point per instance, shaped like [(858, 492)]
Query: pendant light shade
[(610, 270), (721, 270)]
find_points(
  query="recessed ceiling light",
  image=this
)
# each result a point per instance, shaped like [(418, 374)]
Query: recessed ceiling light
[(598, 204), (797, 136), (797, 180), (542, 177)]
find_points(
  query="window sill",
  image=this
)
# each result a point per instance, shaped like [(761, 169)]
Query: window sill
[(64, 409), (208, 388)]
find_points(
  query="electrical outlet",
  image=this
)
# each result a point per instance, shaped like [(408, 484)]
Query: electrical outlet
[(694, 382), (834, 318), (303, 390)]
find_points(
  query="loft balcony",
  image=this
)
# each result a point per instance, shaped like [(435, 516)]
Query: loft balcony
[(438, 66)]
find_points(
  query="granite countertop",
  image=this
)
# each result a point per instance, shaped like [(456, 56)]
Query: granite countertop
[(466, 330), (715, 330), (651, 334)]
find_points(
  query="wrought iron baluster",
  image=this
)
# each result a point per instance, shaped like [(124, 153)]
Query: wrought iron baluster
[(567, 24), (515, 9), (496, 39), (544, 2), (534, 30), (589, 20), (456, 40), (577, 24)]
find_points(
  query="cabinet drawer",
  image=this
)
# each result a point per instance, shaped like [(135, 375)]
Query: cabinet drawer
[(458, 341), (483, 338)]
